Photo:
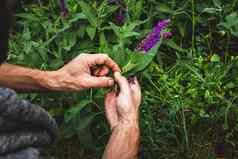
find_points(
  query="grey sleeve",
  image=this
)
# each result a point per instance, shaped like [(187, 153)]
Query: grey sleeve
[(24, 127)]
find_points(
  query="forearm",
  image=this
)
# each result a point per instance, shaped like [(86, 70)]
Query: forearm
[(123, 143), (21, 78)]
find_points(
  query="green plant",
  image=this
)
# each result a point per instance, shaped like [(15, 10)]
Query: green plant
[(189, 86)]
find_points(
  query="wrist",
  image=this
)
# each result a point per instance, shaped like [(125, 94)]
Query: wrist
[(127, 128), (48, 80), (130, 119), (129, 123)]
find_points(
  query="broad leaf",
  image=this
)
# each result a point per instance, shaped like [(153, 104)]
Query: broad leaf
[(75, 110), (85, 122), (89, 13), (137, 62), (91, 32)]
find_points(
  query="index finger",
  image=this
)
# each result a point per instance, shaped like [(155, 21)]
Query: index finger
[(103, 59)]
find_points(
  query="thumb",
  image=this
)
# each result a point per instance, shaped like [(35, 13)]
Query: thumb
[(123, 83)]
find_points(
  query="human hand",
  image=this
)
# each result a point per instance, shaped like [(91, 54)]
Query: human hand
[(124, 107), (83, 73)]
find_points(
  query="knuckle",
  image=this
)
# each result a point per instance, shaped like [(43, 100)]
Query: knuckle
[(104, 81), (105, 56), (82, 85), (83, 54)]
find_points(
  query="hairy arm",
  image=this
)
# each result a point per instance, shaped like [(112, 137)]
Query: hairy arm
[(21, 78), (74, 76), (123, 143), (122, 112)]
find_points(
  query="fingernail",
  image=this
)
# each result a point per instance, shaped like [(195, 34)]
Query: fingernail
[(111, 82)]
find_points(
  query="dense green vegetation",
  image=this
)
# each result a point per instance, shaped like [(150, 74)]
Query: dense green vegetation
[(190, 88)]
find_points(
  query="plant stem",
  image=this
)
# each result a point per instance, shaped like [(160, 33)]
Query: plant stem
[(185, 129), (181, 105), (227, 47)]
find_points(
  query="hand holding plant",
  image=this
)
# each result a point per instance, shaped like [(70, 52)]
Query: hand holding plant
[(124, 107), (82, 73), (122, 112)]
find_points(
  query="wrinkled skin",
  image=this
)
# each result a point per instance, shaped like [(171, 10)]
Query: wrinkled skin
[(122, 112), (83, 72)]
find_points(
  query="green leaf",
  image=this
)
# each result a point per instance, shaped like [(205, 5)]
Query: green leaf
[(89, 12), (26, 16), (164, 8), (172, 44), (76, 17), (75, 110), (138, 61), (232, 19), (211, 10), (86, 138), (234, 33), (215, 58), (91, 32), (129, 66), (217, 3), (56, 63), (102, 40), (69, 41), (85, 122), (138, 9), (43, 52), (116, 29)]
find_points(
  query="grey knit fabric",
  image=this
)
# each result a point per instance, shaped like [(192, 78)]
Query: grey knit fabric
[(24, 127)]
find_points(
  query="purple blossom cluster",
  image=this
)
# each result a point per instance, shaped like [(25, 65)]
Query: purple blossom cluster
[(154, 37), (120, 14), (120, 17), (63, 8)]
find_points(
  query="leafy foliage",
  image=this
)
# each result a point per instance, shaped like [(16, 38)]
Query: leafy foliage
[(189, 85)]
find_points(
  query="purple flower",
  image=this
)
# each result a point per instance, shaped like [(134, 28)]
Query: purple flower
[(154, 37), (119, 17), (63, 8), (167, 35)]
